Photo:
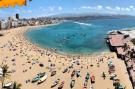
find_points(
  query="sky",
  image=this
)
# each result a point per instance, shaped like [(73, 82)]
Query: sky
[(38, 8)]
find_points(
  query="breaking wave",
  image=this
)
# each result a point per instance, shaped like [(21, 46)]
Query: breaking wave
[(83, 23)]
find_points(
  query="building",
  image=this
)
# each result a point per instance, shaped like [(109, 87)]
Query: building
[(116, 43), (17, 16), (14, 23), (4, 24), (10, 19)]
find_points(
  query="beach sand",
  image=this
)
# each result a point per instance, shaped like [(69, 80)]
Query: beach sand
[(23, 59)]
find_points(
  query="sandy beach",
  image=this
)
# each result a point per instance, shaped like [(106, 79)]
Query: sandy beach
[(24, 58)]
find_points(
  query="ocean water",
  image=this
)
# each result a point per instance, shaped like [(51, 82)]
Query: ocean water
[(82, 37)]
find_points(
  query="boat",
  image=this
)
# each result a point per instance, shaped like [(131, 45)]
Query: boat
[(53, 73), (38, 76), (122, 86), (116, 79), (1, 34), (91, 87), (1, 72), (72, 83), (87, 77), (92, 79), (112, 76), (77, 73), (8, 85), (65, 70), (43, 79), (61, 85), (85, 85), (73, 73), (71, 66), (56, 82)]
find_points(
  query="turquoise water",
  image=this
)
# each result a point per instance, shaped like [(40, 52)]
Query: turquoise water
[(82, 37)]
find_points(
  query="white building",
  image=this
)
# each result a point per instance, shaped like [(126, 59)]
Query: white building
[(4, 24), (15, 23)]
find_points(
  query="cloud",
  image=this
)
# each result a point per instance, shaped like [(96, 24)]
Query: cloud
[(99, 7), (51, 8), (128, 9), (117, 8), (29, 11), (125, 9), (24, 11), (60, 8), (131, 7), (108, 8), (86, 7), (42, 9)]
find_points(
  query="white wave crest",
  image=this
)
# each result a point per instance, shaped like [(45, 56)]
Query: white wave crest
[(83, 23)]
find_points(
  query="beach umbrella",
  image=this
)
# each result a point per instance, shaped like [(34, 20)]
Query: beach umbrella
[(12, 3)]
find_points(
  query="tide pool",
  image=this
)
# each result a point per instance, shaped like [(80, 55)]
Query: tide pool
[(82, 37)]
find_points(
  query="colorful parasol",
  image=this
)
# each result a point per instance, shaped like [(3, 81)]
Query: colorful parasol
[(12, 3)]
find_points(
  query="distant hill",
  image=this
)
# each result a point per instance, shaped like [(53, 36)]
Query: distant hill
[(88, 16)]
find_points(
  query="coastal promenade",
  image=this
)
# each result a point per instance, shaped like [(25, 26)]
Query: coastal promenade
[(25, 60), (121, 43)]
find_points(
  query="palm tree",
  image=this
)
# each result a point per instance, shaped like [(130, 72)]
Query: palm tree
[(17, 85), (5, 73)]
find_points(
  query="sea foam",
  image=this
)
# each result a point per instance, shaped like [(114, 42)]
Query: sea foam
[(83, 23)]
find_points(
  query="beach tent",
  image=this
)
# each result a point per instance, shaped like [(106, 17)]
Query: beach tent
[(12, 3)]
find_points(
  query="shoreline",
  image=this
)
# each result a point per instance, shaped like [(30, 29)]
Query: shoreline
[(28, 57)]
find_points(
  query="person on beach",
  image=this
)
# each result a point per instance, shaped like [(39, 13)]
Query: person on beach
[(104, 75), (98, 65)]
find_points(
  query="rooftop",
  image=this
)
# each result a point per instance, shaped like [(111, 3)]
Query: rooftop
[(116, 40)]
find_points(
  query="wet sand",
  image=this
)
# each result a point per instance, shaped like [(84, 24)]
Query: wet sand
[(23, 59)]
